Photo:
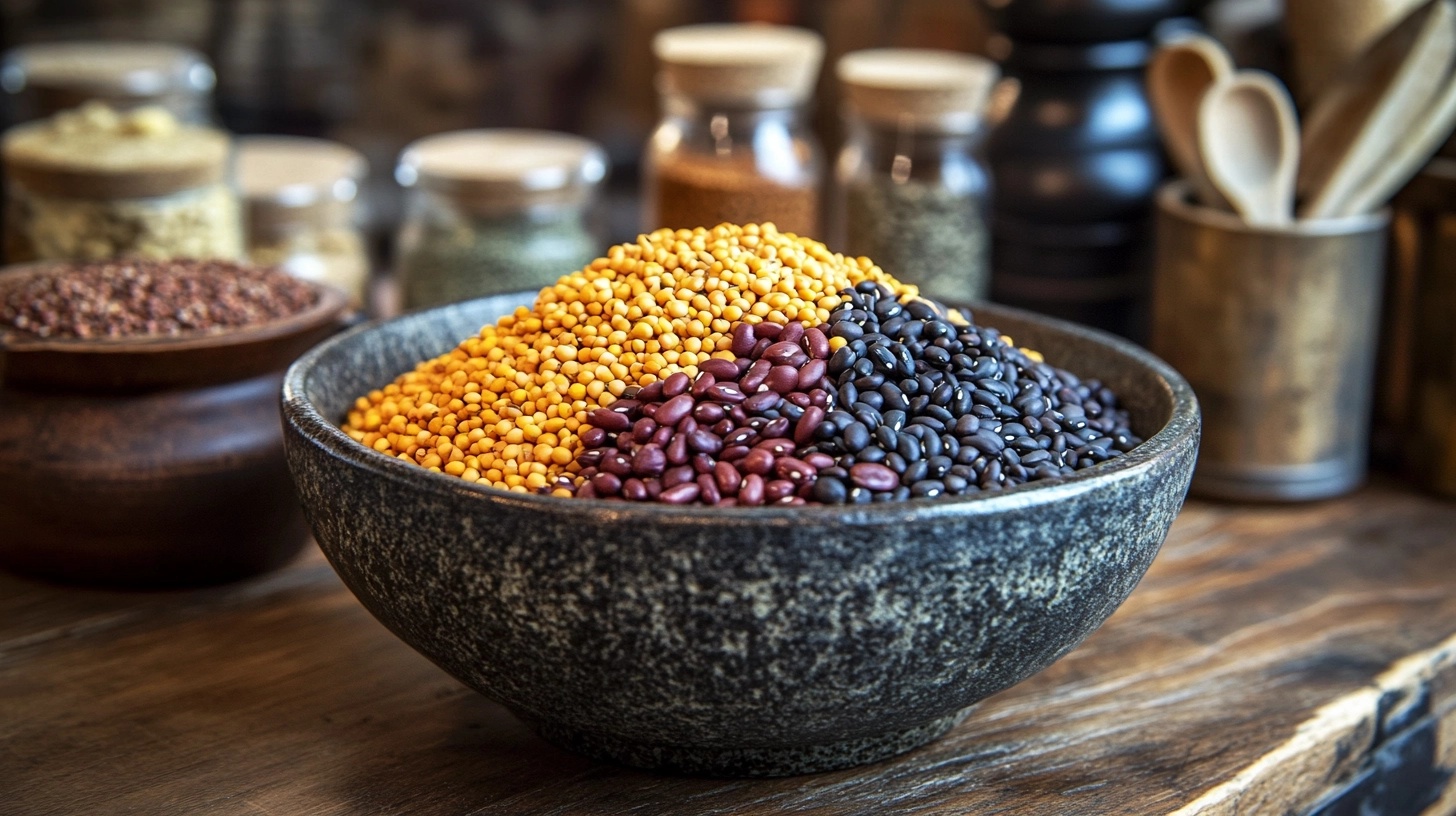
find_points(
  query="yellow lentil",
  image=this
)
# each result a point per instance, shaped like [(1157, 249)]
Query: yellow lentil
[(521, 389)]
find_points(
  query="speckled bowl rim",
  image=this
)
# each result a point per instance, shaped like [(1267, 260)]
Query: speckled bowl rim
[(1182, 428), (329, 303)]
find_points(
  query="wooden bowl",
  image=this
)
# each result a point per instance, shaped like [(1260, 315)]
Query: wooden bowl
[(150, 462)]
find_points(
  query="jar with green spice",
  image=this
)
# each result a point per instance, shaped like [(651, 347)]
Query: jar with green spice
[(914, 192), (494, 211)]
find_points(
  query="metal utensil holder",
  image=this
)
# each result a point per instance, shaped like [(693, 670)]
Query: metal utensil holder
[(1276, 331)]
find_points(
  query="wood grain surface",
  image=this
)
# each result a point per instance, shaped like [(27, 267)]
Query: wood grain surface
[(1266, 657)]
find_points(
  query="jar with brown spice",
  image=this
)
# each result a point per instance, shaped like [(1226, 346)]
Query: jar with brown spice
[(733, 144), (93, 183), (301, 197)]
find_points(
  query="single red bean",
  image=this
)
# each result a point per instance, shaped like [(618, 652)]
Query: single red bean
[(763, 343), (816, 343), (680, 494), (677, 449), (778, 490), (751, 491), (726, 392), (874, 476), (762, 401), (742, 364), (738, 415), (634, 490), (757, 461), (674, 409), (804, 429), (741, 436), (733, 453), (676, 383), (819, 461), (805, 491), (811, 374), (702, 463), (755, 376), (798, 358), (768, 330), (654, 488), (795, 470), (722, 426), (662, 436), (708, 412), (609, 420), (586, 491), (819, 397), (649, 460), (643, 429), (780, 352), (744, 339), (677, 475), (593, 437), (776, 427), (704, 441), (777, 447), (792, 333), (702, 384), (618, 463), (625, 406), (606, 484), (650, 410), (590, 458), (782, 379), (727, 501), (727, 478), (718, 367), (650, 392), (687, 425), (708, 489)]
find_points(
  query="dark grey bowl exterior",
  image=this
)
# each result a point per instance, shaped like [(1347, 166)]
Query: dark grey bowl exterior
[(734, 641)]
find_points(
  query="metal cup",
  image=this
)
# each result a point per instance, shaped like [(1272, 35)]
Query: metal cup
[(1276, 331)]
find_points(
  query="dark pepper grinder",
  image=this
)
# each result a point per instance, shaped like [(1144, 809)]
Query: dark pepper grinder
[(1078, 161)]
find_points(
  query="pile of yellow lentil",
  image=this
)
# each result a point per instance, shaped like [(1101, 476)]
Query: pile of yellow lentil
[(506, 406)]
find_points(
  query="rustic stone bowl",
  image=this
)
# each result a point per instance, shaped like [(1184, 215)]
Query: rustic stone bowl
[(734, 641)]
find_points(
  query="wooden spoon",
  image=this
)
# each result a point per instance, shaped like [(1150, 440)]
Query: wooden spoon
[(1249, 139), (1365, 116), (1417, 148), (1178, 76)]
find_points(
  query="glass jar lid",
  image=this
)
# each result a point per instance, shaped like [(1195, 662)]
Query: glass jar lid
[(919, 88), (496, 170), (96, 152), (120, 72), (293, 179), (739, 64)]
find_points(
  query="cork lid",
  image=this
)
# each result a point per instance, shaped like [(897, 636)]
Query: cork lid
[(918, 87), (293, 179), (95, 152), (499, 169), (741, 64), (107, 69)]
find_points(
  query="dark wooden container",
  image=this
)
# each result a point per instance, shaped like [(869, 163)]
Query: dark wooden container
[(150, 463)]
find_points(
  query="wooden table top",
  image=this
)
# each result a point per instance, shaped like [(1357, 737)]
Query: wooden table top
[(1269, 661)]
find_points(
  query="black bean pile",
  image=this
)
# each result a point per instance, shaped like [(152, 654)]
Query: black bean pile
[(732, 436), (913, 404), (132, 298), (924, 407)]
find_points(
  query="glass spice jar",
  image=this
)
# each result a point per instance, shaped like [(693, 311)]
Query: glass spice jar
[(300, 196), (44, 79), (492, 211), (93, 183), (913, 190), (734, 144)]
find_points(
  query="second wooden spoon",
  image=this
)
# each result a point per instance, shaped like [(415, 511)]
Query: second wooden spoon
[(1179, 75), (1249, 138)]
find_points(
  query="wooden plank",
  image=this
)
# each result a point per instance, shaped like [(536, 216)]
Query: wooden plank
[(1252, 672)]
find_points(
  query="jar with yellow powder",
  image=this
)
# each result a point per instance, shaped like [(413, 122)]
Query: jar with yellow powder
[(92, 183), (301, 197)]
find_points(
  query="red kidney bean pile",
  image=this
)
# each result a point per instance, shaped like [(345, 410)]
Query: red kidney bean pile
[(910, 405), (733, 436)]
